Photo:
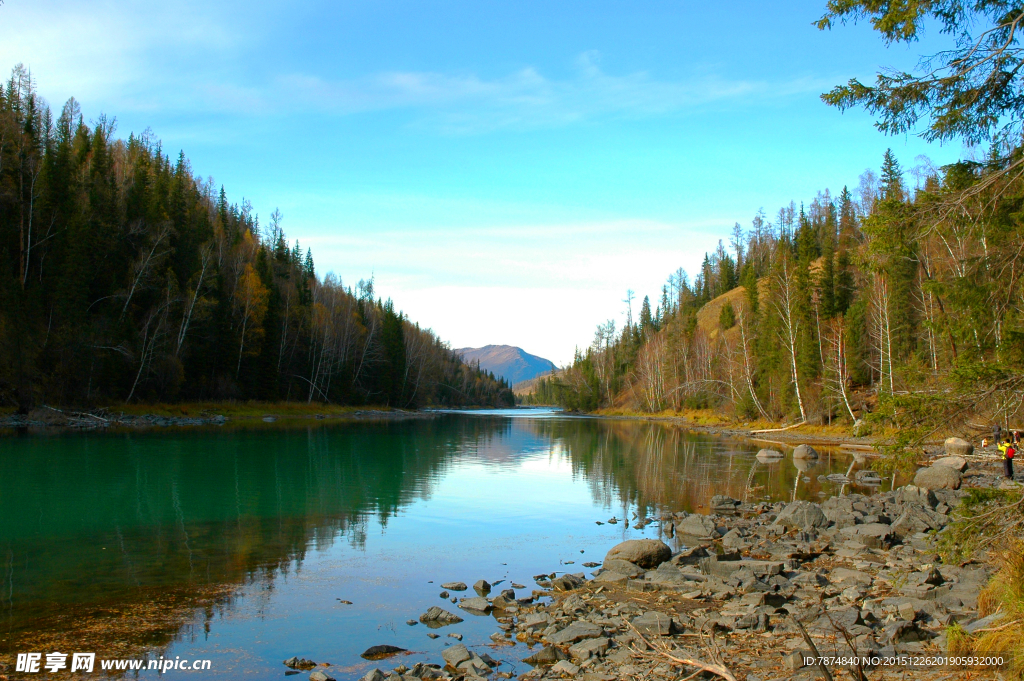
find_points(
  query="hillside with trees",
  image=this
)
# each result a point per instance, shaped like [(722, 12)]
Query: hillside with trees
[(125, 276), (836, 310), (893, 303)]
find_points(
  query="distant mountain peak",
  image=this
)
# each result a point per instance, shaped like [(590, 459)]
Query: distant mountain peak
[(508, 361)]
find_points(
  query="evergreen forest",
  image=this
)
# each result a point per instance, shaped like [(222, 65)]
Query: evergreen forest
[(850, 307), (126, 277)]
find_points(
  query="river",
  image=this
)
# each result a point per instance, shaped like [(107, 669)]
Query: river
[(239, 544)]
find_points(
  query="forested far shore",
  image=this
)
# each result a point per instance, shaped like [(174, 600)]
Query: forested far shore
[(126, 277), (896, 305)]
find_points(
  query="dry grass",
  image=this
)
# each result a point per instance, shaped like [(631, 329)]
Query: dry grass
[(1005, 595)]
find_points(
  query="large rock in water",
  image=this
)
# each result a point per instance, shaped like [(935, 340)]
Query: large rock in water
[(805, 452), (802, 514), (438, 617), (938, 477), (478, 604), (723, 504), (381, 652), (647, 553), (956, 446), (457, 654)]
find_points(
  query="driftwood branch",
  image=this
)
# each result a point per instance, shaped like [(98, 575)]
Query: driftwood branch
[(717, 668), (777, 430), (814, 650), (856, 670)]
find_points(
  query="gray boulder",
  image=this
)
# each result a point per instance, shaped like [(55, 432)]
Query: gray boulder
[(957, 462), (476, 605), (454, 586), (439, 617), (901, 631), (456, 655), (577, 631), (916, 519), (611, 577), (653, 624), (956, 446), (546, 655), (320, 676), (691, 556), (805, 452), (983, 623), (840, 575), (913, 495), (723, 504), (803, 515), (381, 652), (696, 525), (769, 455), (564, 668), (482, 587), (938, 477), (591, 647), (568, 582), (647, 553), (623, 567)]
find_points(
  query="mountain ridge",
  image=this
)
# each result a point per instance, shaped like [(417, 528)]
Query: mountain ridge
[(508, 361)]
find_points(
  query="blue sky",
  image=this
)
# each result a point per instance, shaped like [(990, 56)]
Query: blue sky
[(504, 170)]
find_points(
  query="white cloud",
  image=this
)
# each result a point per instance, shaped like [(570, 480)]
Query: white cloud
[(190, 58), (112, 53), (468, 103)]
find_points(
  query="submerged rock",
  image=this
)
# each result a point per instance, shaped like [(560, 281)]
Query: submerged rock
[(476, 605), (299, 663), (381, 652)]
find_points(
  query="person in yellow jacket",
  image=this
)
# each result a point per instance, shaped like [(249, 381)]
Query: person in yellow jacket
[(1009, 450)]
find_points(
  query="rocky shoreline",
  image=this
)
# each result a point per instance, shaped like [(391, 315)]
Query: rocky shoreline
[(757, 592)]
